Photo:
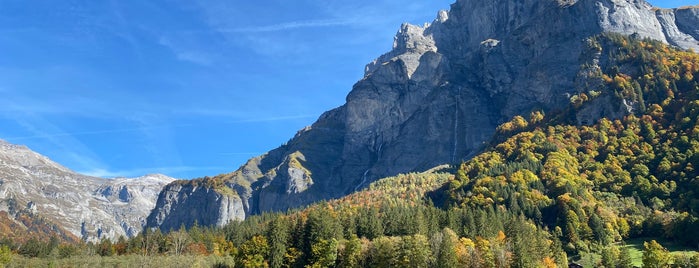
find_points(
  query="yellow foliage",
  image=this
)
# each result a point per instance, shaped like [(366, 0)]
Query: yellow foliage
[(501, 237), (549, 262), (536, 117), (467, 242)]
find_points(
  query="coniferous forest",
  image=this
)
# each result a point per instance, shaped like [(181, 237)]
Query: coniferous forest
[(548, 191)]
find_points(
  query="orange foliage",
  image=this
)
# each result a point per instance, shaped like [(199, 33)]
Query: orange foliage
[(197, 249), (549, 262)]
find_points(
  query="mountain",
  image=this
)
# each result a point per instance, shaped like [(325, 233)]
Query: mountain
[(436, 98), (31, 185), (548, 189)]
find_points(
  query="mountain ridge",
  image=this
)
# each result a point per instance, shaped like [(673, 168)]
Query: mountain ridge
[(88, 207), (434, 99)]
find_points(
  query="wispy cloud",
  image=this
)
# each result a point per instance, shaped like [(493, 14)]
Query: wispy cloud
[(275, 118), (237, 116), (45, 135), (121, 29), (168, 171), (53, 135), (161, 142), (71, 148), (67, 91), (102, 173), (238, 153), (187, 52), (290, 25), (195, 57)]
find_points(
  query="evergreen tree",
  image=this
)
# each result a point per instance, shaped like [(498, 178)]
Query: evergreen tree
[(624, 258), (414, 251), (610, 256), (321, 225), (382, 252), (446, 256), (323, 253), (369, 223), (254, 252), (351, 256), (278, 237)]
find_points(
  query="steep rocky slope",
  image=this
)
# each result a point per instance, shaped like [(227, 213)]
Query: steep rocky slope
[(88, 207), (435, 98)]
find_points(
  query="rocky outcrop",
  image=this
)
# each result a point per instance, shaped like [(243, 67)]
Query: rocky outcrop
[(441, 92), (202, 205), (687, 20), (88, 207)]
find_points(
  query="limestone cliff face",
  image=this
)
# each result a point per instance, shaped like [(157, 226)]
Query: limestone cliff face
[(440, 93), (200, 204)]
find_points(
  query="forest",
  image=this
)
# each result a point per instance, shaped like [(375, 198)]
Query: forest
[(549, 191)]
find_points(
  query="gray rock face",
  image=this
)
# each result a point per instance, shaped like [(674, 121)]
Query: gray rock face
[(687, 20), (90, 208), (200, 204), (440, 93)]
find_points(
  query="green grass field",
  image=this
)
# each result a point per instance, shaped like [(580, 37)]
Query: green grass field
[(635, 247)]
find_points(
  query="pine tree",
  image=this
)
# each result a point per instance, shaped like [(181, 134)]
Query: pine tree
[(369, 223), (446, 257), (624, 258), (610, 256), (414, 251), (278, 236), (320, 226)]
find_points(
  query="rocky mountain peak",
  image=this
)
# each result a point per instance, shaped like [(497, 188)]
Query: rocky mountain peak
[(88, 207), (435, 98), (409, 45), (21, 156)]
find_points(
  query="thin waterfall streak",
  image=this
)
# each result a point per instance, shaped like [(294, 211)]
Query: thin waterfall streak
[(456, 128), (363, 181)]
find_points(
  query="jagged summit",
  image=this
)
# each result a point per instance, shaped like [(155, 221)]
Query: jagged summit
[(88, 207), (434, 99)]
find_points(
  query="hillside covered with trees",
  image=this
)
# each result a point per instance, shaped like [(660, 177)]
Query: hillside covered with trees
[(548, 191)]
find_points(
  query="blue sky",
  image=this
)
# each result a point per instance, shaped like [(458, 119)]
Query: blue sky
[(180, 87)]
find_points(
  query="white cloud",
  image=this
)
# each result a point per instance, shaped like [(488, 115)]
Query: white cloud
[(195, 57), (168, 171), (290, 25), (102, 173), (187, 52), (276, 118)]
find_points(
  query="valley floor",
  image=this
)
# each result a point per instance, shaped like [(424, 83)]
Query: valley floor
[(183, 261)]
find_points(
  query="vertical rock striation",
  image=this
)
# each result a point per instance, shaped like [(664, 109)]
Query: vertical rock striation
[(211, 207)]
